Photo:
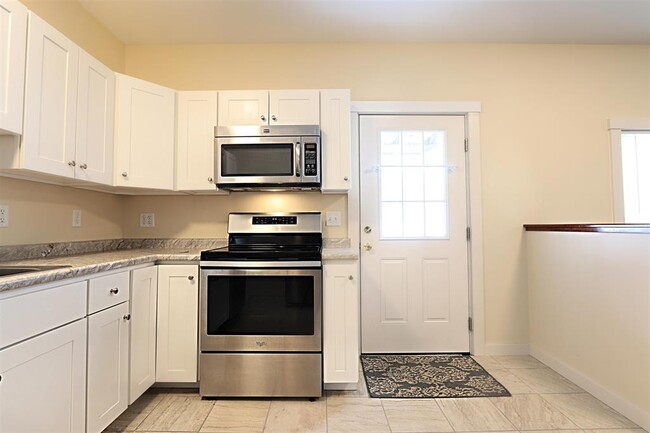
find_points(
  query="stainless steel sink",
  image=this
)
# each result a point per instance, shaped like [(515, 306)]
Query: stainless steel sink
[(13, 270)]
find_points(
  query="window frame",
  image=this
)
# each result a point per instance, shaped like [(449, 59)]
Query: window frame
[(616, 128)]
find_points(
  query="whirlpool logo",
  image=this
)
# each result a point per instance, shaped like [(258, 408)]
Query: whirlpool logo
[(260, 343)]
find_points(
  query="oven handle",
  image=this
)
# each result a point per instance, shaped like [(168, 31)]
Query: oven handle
[(298, 161), (251, 264)]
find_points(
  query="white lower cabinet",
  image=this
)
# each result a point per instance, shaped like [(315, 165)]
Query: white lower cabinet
[(178, 312), (42, 382), (108, 366), (142, 362), (340, 322)]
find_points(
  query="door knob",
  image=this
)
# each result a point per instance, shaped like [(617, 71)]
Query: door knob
[(72, 163), (367, 246), (367, 229), (273, 118), (114, 291), (127, 317), (210, 179), (125, 174), (191, 278), (83, 166), (263, 118)]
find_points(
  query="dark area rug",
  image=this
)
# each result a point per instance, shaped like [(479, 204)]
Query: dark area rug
[(428, 376)]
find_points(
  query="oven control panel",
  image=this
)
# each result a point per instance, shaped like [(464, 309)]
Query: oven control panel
[(311, 159), (269, 220)]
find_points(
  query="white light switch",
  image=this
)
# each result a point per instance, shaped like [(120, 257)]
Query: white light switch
[(4, 215), (76, 218), (333, 218)]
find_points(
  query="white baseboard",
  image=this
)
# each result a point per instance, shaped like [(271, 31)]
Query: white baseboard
[(504, 349), (340, 386), (616, 402)]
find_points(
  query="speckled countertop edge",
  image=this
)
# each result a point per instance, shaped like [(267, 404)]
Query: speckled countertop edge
[(87, 264)]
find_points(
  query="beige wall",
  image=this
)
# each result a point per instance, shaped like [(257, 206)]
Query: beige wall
[(41, 213), (206, 216), (545, 152), (71, 19), (589, 305)]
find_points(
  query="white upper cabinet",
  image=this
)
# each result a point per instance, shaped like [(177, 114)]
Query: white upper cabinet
[(195, 123), (144, 134), (13, 39), (275, 107), (335, 139), (50, 100), (243, 107), (95, 121), (294, 107)]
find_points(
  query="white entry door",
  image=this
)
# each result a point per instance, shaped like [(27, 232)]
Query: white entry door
[(414, 272)]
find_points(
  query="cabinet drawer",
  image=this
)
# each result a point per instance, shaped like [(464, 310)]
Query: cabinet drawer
[(104, 292), (24, 316)]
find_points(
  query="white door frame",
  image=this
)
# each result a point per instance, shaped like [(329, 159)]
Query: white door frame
[(471, 111)]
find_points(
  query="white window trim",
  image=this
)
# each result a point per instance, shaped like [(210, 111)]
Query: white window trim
[(616, 127), (471, 110)]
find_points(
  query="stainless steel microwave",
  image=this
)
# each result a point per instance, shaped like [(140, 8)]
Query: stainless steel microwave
[(253, 158)]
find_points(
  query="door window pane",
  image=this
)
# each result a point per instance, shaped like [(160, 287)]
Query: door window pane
[(414, 182), (635, 151)]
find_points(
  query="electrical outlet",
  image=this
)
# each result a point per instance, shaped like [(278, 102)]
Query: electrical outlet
[(76, 218), (4, 215), (333, 218), (147, 220)]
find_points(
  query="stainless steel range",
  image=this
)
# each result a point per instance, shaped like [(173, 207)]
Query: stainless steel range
[(261, 308)]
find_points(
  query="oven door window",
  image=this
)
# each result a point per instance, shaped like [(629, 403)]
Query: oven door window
[(260, 305), (257, 159)]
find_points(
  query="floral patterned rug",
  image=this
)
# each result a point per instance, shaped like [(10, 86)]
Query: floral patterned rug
[(428, 376)]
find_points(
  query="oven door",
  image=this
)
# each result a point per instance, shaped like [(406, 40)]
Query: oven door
[(261, 310)]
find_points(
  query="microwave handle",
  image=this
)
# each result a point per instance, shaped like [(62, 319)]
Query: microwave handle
[(298, 162)]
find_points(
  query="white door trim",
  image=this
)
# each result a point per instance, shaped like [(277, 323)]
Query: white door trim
[(471, 112)]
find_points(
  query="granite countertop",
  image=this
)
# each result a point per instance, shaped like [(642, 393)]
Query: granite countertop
[(86, 264), (92, 263)]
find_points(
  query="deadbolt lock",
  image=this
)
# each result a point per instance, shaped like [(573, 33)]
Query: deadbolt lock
[(367, 229)]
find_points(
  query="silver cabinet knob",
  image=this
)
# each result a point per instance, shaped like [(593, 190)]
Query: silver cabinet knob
[(210, 180), (114, 291), (263, 118), (125, 174), (346, 178), (191, 278), (367, 229), (83, 166), (127, 317), (72, 163), (350, 278), (367, 246), (273, 118)]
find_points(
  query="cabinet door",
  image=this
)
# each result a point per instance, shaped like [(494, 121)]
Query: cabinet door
[(335, 139), (50, 100), (13, 39), (144, 293), (178, 313), (340, 323), (243, 107), (95, 121), (144, 134), (294, 107), (108, 364), (197, 118), (43, 382)]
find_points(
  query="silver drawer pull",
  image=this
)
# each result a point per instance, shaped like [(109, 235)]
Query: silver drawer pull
[(114, 291)]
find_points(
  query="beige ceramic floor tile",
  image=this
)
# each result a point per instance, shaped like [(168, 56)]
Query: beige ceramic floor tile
[(519, 361), (136, 413), (474, 414), (177, 412), (510, 381), (229, 416), (545, 381), (356, 415), (617, 430), (587, 411), (405, 416), (532, 412), (487, 362), (297, 416)]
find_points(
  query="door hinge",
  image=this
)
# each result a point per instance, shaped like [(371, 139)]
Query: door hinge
[(469, 233), (470, 324), (467, 145)]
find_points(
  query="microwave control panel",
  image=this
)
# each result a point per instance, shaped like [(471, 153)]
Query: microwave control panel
[(311, 159)]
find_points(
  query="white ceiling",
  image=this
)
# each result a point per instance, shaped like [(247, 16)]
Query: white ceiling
[(306, 21)]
